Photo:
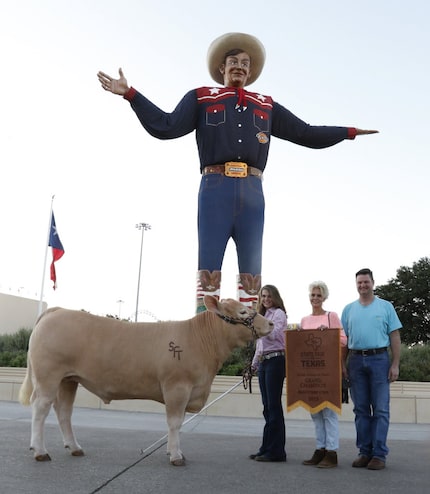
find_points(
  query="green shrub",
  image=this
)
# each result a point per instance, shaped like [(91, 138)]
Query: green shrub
[(13, 348), (13, 359), (237, 362)]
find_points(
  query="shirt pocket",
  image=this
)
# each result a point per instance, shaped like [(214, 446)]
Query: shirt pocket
[(215, 115), (261, 120)]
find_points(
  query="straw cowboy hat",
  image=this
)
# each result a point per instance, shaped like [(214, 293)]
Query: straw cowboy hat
[(230, 41)]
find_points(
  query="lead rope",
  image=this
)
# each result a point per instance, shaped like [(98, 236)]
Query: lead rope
[(247, 373), (162, 441), (249, 323)]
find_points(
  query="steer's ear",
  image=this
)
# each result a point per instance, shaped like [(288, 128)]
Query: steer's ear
[(211, 303)]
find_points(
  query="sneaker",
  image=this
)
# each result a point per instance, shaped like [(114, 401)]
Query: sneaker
[(316, 457), (376, 464), (361, 462), (329, 460)]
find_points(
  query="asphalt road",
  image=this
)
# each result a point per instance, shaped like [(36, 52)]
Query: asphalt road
[(125, 453)]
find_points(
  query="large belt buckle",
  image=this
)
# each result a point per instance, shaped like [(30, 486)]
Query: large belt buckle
[(235, 169)]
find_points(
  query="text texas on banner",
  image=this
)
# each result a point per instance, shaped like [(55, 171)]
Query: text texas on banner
[(313, 367)]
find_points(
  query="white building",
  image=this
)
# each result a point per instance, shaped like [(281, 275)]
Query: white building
[(18, 312)]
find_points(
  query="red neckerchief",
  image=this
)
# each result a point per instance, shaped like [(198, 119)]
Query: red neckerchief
[(241, 99)]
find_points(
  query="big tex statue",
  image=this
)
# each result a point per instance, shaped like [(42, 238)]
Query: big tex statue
[(233, 131)]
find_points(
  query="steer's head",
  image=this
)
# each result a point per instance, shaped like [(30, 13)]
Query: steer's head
[(234, 312)]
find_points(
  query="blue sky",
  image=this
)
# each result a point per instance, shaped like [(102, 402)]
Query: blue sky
[(362, 203)]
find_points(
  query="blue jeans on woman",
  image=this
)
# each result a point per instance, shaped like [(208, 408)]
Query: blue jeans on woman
[(230, 208), (271, 376), (370, 393)]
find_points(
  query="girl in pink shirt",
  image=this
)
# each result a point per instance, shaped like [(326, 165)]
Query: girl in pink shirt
[(269, 360)]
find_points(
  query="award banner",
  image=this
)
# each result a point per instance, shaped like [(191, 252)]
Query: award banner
[(313, 367)]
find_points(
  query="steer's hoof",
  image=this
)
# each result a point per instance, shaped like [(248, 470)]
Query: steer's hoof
[(44, 457), (78, 452), (180, 462)]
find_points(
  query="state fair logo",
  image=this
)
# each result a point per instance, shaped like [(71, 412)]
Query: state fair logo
[(314, 342)]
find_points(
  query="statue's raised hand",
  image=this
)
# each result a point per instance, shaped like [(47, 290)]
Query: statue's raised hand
[(115, 86)]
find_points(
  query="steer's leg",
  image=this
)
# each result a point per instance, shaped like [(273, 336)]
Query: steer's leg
[(176, 399), (41, 404), (63, 406)]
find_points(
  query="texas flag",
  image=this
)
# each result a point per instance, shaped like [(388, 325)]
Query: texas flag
[(57, 249)]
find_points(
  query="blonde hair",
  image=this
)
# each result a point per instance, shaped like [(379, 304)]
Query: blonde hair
[(322, 286)]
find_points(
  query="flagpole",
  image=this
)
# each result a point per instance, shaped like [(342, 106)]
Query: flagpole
[(46, 257)]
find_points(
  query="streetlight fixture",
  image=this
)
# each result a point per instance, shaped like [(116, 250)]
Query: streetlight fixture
[(142, 227), (119, 302)]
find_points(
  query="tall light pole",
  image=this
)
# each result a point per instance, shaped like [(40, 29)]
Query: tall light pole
[(142, 227), (119, 302)]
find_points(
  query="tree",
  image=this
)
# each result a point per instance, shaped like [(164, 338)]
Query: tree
[(409, 292), (415, 363)]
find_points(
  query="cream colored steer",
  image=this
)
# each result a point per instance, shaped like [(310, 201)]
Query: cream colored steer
[(172, 362)]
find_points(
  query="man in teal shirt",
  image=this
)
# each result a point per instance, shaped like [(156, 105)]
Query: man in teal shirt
[(371, 325)]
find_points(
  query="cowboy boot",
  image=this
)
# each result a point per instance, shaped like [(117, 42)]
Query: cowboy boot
[(207, 284), (329, 460), (317, 457), (248, 287)]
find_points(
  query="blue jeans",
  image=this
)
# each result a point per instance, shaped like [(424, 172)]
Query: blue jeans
[(370, 393), (230, 208), (271, 375)]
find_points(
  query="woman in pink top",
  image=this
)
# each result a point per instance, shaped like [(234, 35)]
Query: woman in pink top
[(326, 420)]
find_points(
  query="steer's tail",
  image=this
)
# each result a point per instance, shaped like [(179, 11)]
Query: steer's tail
[(26, 389)]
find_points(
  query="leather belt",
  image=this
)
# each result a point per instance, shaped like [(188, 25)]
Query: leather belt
[(370, 351), (267, 356), (220, 170)]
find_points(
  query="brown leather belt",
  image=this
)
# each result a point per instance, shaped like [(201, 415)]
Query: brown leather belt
[(220, 169)]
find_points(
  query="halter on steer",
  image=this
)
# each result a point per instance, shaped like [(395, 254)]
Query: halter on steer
[(249, 323)]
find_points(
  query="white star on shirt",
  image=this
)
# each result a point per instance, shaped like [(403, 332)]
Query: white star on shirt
[(214, 90), (261, 97)]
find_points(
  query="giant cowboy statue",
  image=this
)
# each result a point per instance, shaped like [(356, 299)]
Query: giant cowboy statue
[(233, 131)]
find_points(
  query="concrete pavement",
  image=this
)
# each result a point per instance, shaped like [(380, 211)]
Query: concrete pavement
[(125, 452)]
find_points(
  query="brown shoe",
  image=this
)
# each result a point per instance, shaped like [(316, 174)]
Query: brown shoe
[(361, 462), (376, 464), (329, 460), (316, 457), (265, 458)]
